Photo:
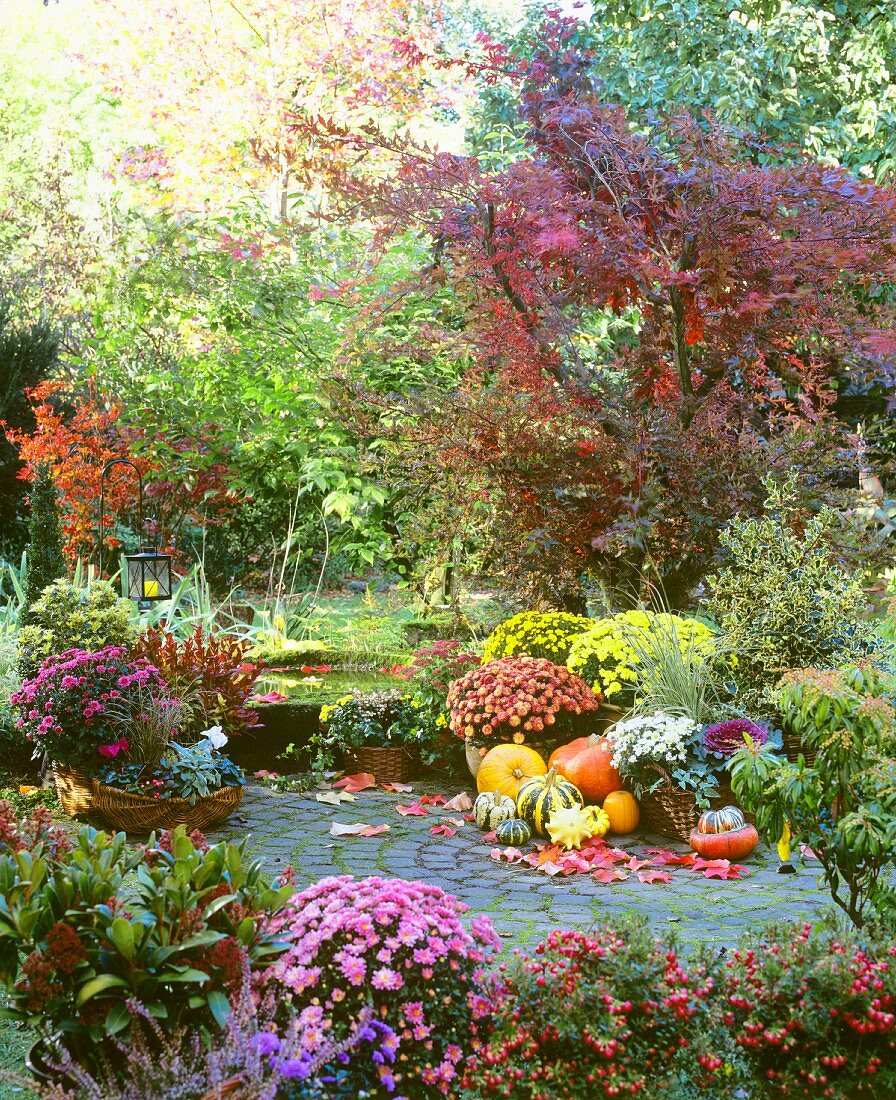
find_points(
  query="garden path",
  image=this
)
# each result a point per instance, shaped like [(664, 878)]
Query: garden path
[(524, 904)]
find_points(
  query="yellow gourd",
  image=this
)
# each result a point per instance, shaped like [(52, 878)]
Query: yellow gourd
[(569, 827), (600, 820)]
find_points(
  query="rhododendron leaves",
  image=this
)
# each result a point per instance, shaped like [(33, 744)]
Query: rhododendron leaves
[(460, 802), (398, 788), (413, 809), (355, 783), (654, 876), (443, 830), (359, 828), (334, 798), (610, 874), (718, 868)]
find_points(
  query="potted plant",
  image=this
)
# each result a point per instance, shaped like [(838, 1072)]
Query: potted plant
[(382, 732), (524, 700), (71, 711)]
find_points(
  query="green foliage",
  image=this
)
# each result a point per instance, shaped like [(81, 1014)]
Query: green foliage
[(185, 771), (783, 600), (381, 719), (608, 655), (547, 634), (45, 562), (842, 804), (13, 747), (84, 956), (68, 617)]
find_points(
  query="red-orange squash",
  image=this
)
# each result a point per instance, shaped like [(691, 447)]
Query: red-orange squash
[(733, 844), (506, 768), (587, 763), (621, 807)]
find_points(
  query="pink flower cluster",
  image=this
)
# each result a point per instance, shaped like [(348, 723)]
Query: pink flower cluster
[(400, 947), (63, 709), (505, 699)]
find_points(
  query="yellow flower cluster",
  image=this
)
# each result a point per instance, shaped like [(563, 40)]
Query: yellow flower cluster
[(329, 708), (545, 634), (606, 659)]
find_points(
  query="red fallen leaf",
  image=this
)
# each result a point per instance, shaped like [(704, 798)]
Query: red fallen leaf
[(265, 775), (551, 868), (443, 830), (271, 697), (458, 822), (398, 788), (460, 802), (654, 876), (576, 863), (671, 859), (507, 855), (355, 783), (635, 864), (432, 800), (357, 829), (488, 838), (547, 853), (467, 817), (718, 868), (610, 874), (413, 809)]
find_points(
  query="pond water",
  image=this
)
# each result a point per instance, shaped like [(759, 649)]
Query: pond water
[(321, 687)]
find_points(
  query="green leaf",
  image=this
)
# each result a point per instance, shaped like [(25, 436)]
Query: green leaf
[(219, 1006), (98, 985), (121, 934)]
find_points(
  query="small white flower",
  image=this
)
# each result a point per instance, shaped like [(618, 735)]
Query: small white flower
[(216, 737)]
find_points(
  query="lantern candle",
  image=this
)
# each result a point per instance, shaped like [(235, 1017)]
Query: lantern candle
[(151, 590)]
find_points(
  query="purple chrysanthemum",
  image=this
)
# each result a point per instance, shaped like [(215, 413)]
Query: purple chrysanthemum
[(727, 737)]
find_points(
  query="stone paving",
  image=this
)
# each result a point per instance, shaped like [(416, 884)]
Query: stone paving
[(524, 904)]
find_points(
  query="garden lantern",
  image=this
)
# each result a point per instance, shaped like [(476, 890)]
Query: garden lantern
[(148, 573)]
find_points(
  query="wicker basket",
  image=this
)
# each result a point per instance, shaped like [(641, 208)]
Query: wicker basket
[(793, 746), (388, 765), (75, 789), (135, 813), (669, 811)]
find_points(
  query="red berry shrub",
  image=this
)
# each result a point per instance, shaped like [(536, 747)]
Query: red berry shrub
[(813, 1011), (209, 672), (509, 698), (612, 1013)]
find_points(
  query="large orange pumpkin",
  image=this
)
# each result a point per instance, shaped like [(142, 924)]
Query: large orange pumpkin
[(621, 808), (587, 763), (506, 768)]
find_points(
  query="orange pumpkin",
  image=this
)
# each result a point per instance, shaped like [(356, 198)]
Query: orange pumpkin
[(506, 768), (621, 807), (733, 844), (587, 763)]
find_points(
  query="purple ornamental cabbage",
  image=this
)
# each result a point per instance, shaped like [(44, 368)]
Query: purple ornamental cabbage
[(726, 738)]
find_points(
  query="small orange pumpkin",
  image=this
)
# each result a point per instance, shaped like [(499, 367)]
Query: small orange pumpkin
[(587, 763), (506, 768), (621, 807)]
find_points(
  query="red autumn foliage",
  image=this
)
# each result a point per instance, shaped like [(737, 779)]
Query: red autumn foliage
[(727, 293)]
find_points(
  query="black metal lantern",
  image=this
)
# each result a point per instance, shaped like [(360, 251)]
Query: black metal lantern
[(148, 575)]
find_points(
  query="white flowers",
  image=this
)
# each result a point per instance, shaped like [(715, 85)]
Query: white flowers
[(658, 737), (215, 737)]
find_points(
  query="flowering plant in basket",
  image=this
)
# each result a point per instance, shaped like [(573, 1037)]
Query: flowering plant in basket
[(69, 709), (514, 698), (378, 719), (399, 947)]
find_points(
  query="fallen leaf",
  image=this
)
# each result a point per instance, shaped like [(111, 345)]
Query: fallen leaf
[(432, 800), (610, 874), (355, 783), (334, 798), (443, 830), (271, 697), (635, 864), (551, 868), (490, 837), (547, 853), (460, 802), (654, 876), (508, 855), (671, 859), (457, 821), (264, 775), (398, 788), (718, 868), (413, 809), (358, 829), (25, 789)]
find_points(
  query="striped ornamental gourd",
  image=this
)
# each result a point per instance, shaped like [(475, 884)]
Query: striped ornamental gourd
[(539, 797), (515, 832)]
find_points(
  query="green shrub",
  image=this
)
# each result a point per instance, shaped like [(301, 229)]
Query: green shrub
[(546, 634), (68, 617), (45, 562), (783, 601)]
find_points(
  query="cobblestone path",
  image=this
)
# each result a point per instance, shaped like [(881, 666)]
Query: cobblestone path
[(523, 903)]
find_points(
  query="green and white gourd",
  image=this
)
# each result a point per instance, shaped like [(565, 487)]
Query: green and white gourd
[(515, 832), (491, 808)]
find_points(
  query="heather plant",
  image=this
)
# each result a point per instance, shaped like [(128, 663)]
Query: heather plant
[(70, 617), (782, 599), (842, 804), (517, 698), (545, 634), (400, 948), (613, 1012), (617, 654), (87, 925), (71, 710), (812, 1011)]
